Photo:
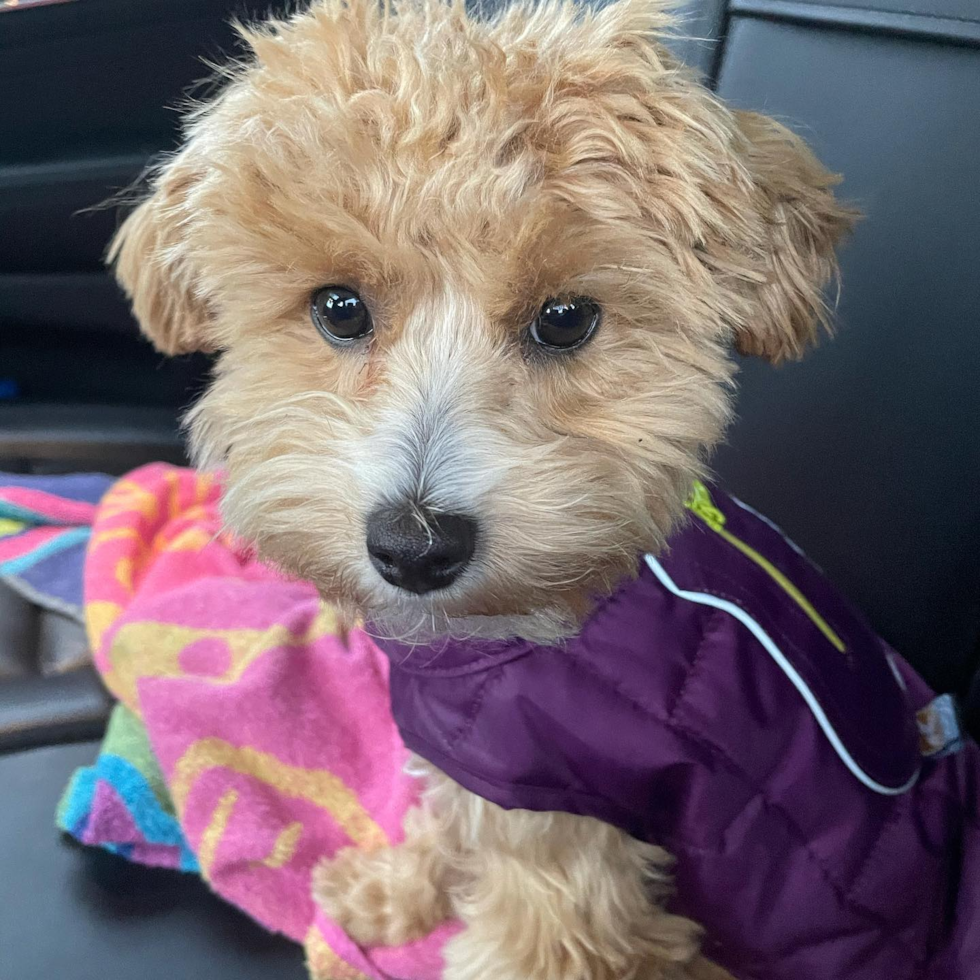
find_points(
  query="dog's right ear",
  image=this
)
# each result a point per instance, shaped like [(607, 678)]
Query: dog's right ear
[(152, 263)]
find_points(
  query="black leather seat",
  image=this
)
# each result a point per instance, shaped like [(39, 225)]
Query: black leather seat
[(868, 453), (49, 691), (70, 913)]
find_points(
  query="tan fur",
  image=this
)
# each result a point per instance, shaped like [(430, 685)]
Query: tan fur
[(392, 896), (457, 173), (548, 896)]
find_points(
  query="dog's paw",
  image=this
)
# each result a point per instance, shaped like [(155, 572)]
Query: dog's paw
[(370, 895)]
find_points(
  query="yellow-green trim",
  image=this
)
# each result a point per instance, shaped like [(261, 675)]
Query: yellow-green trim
[(702, 506)]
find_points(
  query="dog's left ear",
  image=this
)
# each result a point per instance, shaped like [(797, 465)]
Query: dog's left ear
[(797, 224), (151, 260)]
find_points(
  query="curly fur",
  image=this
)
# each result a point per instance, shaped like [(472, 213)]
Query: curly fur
[(545, 895), (457, 172)]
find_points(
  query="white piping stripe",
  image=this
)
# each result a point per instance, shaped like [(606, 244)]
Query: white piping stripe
[(772, 524), (897, 672), (788, 669)]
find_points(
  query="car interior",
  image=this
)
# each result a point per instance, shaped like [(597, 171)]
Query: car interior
[(867, 453)]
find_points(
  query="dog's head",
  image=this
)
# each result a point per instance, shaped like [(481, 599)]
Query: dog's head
[(475, 286)]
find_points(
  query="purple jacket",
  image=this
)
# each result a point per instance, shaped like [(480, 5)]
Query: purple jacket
[(730, 706)]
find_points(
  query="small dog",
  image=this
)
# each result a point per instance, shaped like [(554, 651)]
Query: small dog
[(528, 245)]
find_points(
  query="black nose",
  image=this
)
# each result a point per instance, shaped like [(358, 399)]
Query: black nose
[(418, 550)]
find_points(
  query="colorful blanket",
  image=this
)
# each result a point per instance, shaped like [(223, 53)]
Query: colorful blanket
[(268, 738), (44, 529), (122, 804)]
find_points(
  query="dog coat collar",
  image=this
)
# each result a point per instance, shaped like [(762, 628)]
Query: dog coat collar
[(731, 573)]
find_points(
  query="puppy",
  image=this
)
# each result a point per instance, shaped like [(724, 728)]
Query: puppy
[(475, 286)]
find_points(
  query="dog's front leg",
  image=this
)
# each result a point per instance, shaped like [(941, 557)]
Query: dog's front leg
[(543, 896), (549, 896), (389, 896)]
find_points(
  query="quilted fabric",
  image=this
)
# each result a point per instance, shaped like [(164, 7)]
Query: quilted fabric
[(730, 706)]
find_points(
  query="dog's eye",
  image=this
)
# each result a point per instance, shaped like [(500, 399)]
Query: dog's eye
[(340, 315), (565, 324)]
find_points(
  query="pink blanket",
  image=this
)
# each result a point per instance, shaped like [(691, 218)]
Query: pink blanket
[(272, 730)]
